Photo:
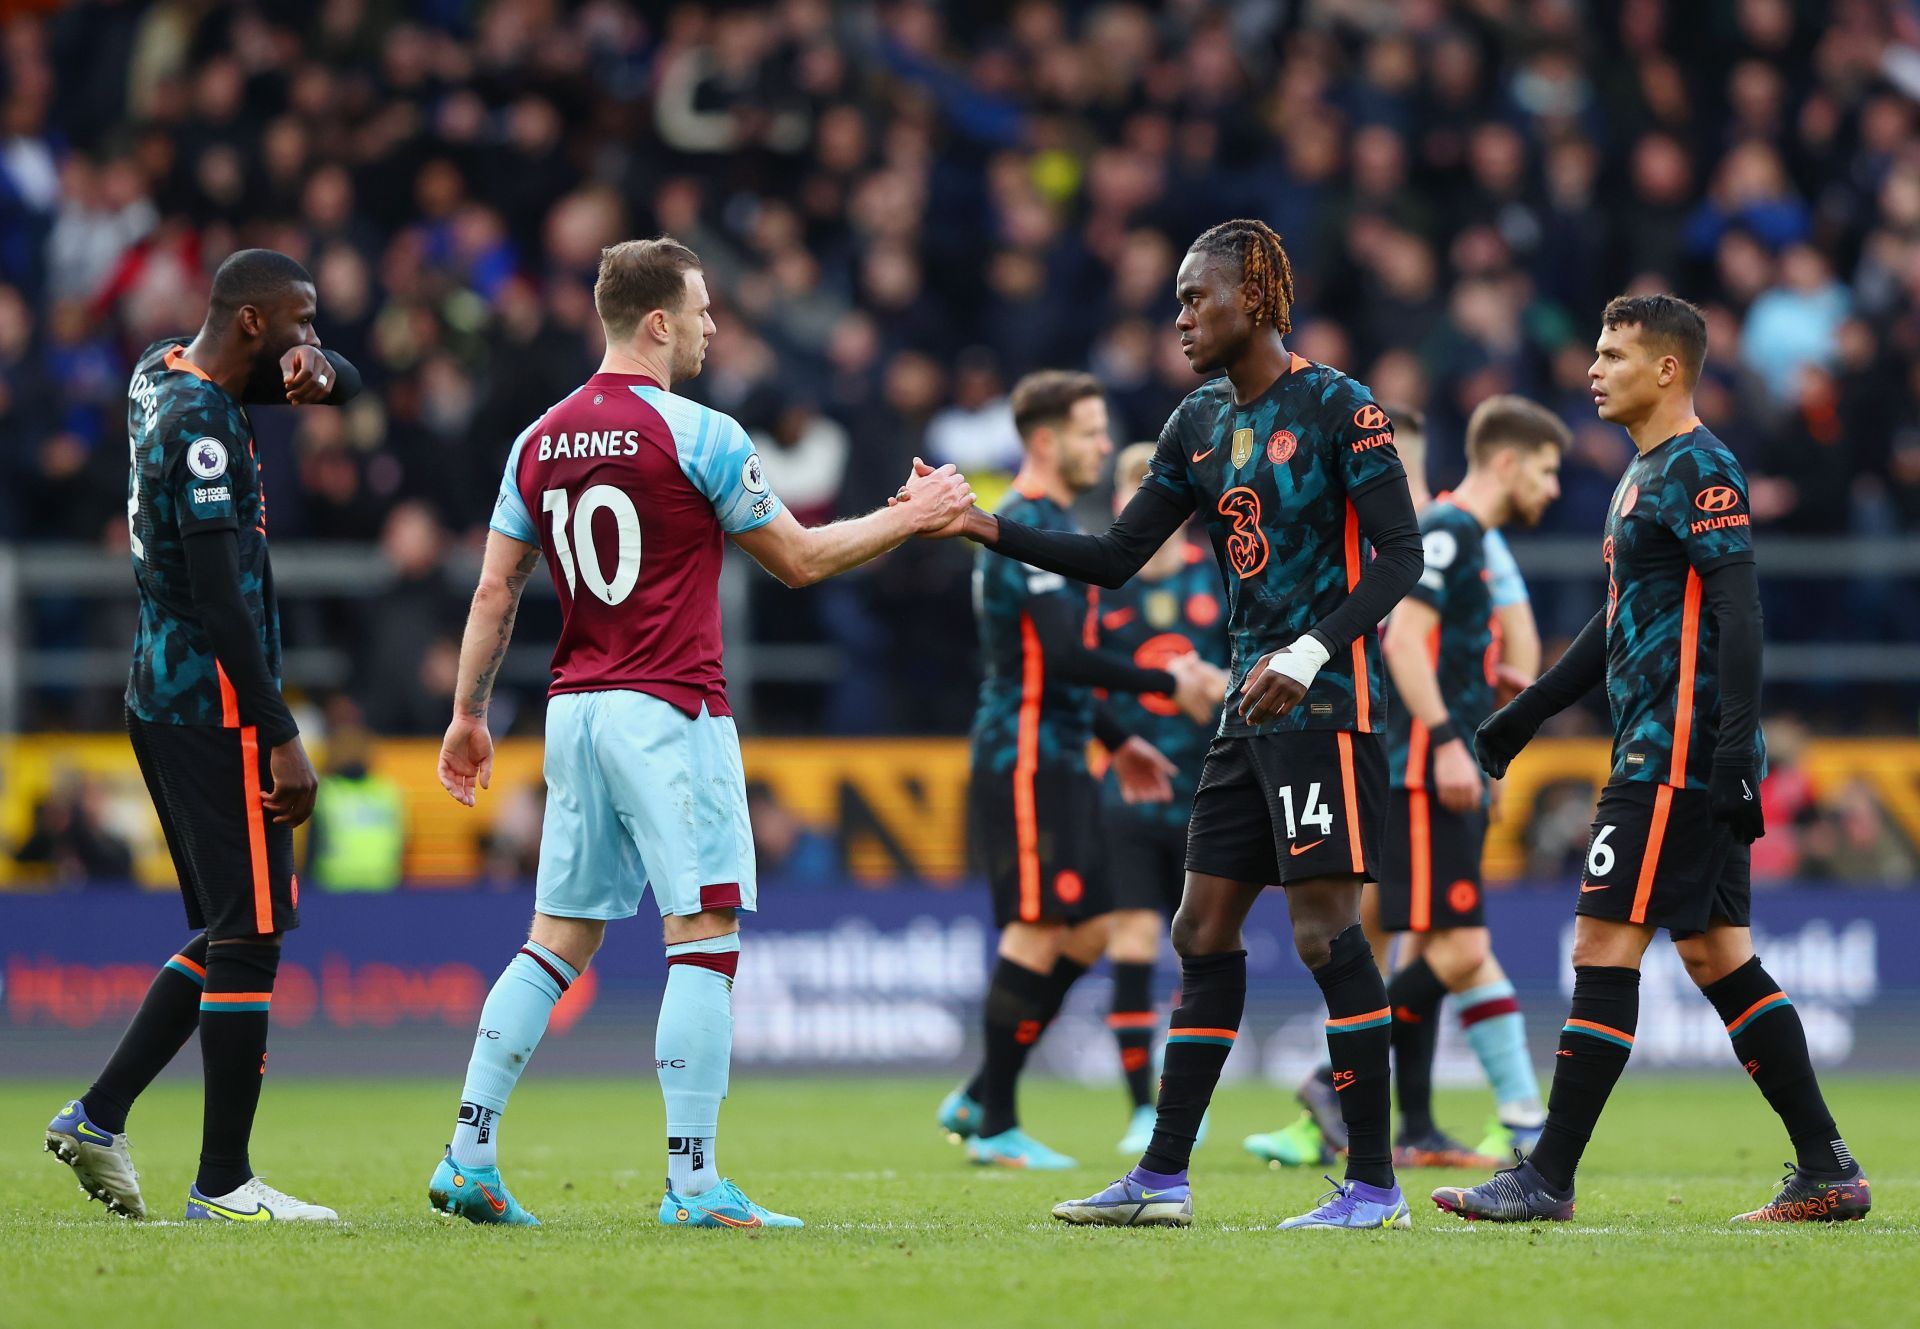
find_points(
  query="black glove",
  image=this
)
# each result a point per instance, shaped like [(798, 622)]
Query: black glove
[(1735, 791), (1501, 735)]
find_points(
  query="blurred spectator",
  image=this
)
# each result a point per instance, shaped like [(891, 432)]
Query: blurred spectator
[(404, 677), (357, 840), (71, 840), (786, 848)]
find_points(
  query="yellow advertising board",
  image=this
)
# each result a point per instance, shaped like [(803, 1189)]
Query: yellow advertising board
[(897, 807)]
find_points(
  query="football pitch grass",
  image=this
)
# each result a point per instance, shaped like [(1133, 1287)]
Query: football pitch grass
[(902, 1231)]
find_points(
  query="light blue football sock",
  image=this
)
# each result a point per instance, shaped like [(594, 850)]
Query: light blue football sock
[(1497, 1032), (511, 1024), (692, 1049)]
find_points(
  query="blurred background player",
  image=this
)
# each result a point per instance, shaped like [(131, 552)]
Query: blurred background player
[(220, 752), (1173, 607), (1678, 645), (635, 488), (1293, 463), (1033, 806), (1440, 652), (1490, 1023)]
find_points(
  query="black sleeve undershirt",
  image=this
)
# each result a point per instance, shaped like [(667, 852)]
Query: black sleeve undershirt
[(1385, 512), (1733, 594), (346, 385), (1107, 559), (1068, 657), (213, 574), (1581, 669), (1108, 730)]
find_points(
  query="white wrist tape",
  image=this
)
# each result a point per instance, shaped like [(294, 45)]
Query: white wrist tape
[(1300, 661)]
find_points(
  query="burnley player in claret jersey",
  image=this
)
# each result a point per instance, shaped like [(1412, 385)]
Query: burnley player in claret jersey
[(1292, 467), (1678, 646), (631, 493)]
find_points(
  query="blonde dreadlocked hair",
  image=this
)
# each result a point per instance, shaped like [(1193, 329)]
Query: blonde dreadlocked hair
[(1254, 246)]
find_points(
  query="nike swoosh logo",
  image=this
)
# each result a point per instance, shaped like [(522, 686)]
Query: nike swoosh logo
[(260, 1215), (1202, 456), (1298, 849), (84, 1129), (735, 1222), (1584, 888), (498, 1206), (1154, 1195)]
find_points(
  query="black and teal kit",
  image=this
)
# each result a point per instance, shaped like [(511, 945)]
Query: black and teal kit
[(203, 696), (1430, 879), (1151, 623), (1033, 807), (1294, 486), (1678, 645)]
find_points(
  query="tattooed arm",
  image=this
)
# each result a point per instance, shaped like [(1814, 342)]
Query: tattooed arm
[(466, 754)]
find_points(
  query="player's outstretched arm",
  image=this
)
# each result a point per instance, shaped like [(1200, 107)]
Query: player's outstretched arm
[(213, 579), (1108, 559), (802, 555), (1584, 667), (466, 753)]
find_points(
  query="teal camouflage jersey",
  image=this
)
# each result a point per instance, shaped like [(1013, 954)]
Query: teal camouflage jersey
[(1026, 715), (1679, 512), (1152, 622), (1457, 583), (191, 469), (1273, 479)]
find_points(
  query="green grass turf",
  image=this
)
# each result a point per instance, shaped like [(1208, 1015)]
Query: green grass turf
[(902, 1231)]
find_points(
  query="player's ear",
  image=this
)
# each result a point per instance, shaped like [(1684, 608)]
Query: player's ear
[(658, 325), (252, 321)]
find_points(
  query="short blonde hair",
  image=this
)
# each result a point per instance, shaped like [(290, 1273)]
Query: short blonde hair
[(1130, 466)]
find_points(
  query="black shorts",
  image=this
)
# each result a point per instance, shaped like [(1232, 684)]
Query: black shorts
[(1656, 856), (1275, 808), (1037, 839), (1430, 879), (235, 866), (1146, 861)]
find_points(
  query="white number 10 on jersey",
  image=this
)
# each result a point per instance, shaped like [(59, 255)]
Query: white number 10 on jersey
[(626, 568)]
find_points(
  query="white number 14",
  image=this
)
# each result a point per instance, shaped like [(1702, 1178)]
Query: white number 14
[(1314, 812)]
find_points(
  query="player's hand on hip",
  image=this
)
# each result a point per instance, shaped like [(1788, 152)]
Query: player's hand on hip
[(1455, 778), (290, 801), (1145, 774), (1280, 679), (466, 758), (306, 376), (1735, 792), (1500, 738)]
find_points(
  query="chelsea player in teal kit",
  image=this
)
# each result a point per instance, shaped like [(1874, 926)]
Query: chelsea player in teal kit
[(1293, 467), (1678, 647)]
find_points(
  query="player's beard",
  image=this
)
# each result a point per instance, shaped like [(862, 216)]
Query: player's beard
[(265, 382)]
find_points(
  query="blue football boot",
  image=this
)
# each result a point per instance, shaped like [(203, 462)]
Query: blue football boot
[(959, 1115), (1139, 1199), (1015, 1148), (1139, 1132), (101, 1161), (1355, 1206), (726, 1205), (476, 1194)]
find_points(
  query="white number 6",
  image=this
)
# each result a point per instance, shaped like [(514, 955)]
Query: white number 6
[(1600, 856)]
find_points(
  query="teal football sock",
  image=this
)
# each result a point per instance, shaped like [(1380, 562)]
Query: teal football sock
[(692, 1049), (1497, 1032), (511, 1025)]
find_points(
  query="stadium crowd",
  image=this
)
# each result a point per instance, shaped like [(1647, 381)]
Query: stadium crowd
[(904, 206)]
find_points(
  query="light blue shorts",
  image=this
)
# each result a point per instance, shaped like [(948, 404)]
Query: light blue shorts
[(639, 796)]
